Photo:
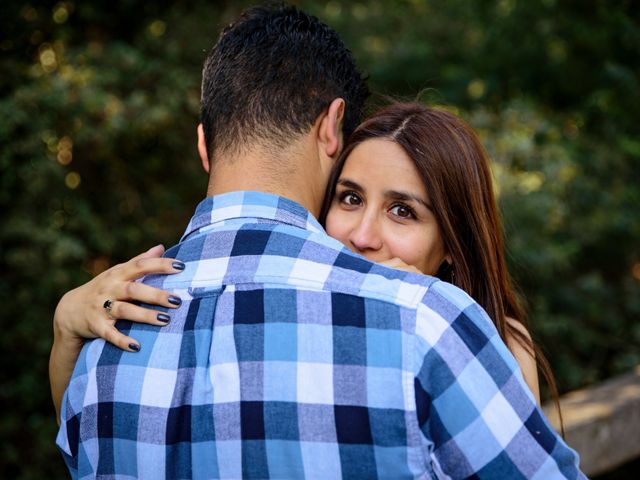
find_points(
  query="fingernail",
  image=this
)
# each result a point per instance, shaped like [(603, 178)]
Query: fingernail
[(163, 317), (173, 300), (135, 347), (178, 265)]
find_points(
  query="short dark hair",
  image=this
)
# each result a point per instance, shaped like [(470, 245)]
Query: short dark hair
[(271, 74)]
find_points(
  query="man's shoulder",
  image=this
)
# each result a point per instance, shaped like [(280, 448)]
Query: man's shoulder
[(277, 254), (448, 314)]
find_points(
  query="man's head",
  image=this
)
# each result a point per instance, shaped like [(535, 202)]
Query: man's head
[(269, 77)]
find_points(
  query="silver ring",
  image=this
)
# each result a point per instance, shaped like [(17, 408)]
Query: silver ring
[(107, 305)]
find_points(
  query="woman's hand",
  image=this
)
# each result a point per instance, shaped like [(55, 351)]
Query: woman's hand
[(399, 264), (80, 314)]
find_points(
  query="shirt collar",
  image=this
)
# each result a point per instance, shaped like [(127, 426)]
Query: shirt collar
[(249, 204)]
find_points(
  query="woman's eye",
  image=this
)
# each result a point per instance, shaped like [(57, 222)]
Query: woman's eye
[(351, 199), (402, 211)]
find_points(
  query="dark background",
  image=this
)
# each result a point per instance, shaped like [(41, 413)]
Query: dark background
[(98, 110)]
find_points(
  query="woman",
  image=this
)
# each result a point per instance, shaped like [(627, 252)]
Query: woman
[(447, 192), (412, 189)]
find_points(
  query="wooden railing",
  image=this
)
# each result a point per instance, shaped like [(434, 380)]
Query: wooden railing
[(603, 422)]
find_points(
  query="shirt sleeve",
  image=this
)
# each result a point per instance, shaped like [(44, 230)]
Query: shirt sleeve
[(478, 417), (80, 396)]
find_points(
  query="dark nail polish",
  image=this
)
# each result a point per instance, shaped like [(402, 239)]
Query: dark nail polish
[(163, 317), (173, 300), (135, 347), (178, 265)]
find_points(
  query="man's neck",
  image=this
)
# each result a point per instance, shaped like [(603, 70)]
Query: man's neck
[(278, 176)]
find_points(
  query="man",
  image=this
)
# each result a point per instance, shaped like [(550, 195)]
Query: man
[(291, 357)]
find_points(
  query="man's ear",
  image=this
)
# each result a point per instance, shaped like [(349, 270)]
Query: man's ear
[(330, 133), (202, 149)]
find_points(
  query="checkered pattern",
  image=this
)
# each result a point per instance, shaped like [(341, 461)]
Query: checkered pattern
[(291, 357)]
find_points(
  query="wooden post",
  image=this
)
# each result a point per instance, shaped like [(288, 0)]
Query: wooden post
[(602, 422)]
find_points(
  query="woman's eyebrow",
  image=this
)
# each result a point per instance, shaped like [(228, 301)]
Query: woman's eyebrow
[(345, 182), (406, 196)]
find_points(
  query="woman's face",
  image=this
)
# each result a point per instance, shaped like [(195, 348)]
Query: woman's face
[(381, 208)]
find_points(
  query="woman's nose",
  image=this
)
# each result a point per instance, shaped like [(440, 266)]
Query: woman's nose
[(366, 235)]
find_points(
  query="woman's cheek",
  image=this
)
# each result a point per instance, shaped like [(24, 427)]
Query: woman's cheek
[(336, 224), (412, 247), (402, 244)]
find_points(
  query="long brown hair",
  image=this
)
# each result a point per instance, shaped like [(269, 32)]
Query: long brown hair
[(455, 169)]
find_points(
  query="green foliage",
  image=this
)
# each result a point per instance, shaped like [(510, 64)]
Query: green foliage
[(98, 107)]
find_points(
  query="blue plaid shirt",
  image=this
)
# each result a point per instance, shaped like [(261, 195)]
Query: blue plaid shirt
[(292, 357)]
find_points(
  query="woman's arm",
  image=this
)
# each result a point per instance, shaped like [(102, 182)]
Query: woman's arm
[(62, 360), (525, 358), (81, 315)]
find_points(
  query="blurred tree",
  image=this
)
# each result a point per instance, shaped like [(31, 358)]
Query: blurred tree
[(98, 107), (553, 89)]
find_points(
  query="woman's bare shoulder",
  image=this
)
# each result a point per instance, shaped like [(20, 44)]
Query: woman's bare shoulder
[(524, 355), (519, 326)]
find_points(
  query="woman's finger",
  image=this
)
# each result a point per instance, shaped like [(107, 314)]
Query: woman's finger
[(394, 262), (140, 292), (112, 335), (138, 267), (399, 264), (128, 311)]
